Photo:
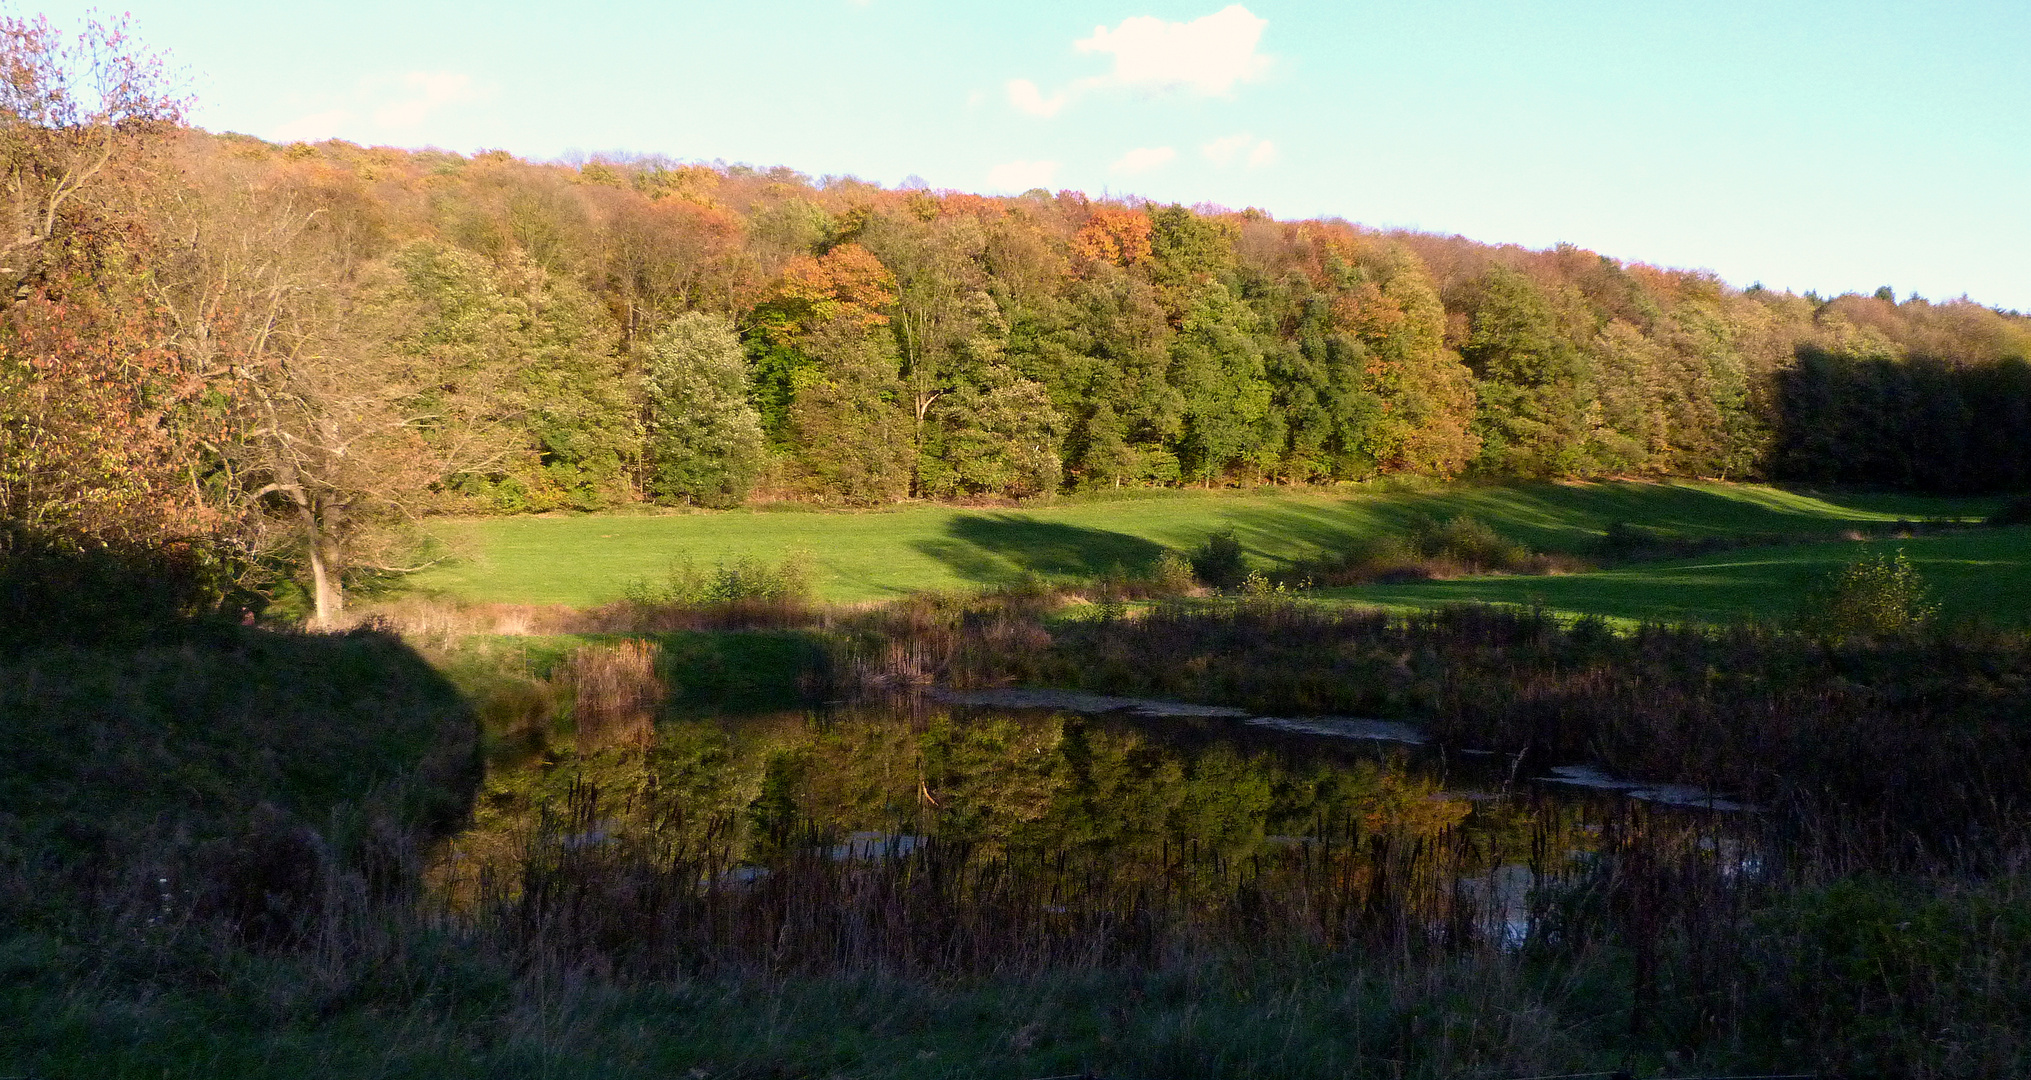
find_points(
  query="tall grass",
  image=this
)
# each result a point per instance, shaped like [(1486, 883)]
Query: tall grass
[(234, 860), (616, 693), (1904, 747)]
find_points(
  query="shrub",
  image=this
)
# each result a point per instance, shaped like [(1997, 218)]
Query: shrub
[(1218, 562), (57, 590), (747, 593), (1172, 575), (1626, 541), (1477, 545), (1878, 596), (746, 579), (1464, 540)]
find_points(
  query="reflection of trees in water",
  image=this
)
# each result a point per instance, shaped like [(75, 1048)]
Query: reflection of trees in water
[(1001, 783), (886, 838)]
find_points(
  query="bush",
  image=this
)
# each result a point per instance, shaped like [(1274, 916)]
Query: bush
[(1464, 540), (1218, 563), (1172, 575), (747, 593), (745, 580), (1626, 541), (1873, 597)]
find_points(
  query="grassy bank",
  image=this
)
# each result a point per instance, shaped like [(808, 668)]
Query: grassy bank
[(584, 560), (208, 872)]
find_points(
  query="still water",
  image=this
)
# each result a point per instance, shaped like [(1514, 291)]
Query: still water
[(1037, 822)]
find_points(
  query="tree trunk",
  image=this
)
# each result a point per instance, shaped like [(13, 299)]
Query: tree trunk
[(326, 591), (324, 581)]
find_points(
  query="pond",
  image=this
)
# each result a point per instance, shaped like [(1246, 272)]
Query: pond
[(999, 829)]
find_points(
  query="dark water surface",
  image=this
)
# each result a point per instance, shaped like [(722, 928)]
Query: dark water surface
[(956, 828)]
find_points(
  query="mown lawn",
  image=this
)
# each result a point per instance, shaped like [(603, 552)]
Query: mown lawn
[(1979, 572), (587, 559)]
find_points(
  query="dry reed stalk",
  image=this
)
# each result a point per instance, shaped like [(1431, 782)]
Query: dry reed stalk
[(615, 693)]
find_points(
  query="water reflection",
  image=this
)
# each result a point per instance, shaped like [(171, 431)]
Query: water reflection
[(984, 833)]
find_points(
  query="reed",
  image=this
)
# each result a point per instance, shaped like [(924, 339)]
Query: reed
[(616, 693), (1897, 750), (237, 860)]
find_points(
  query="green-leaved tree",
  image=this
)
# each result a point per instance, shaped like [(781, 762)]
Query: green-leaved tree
[(705, 435)]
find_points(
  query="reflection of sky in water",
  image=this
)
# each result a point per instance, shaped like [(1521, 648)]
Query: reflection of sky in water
[(1502, 897), (1587, 776)]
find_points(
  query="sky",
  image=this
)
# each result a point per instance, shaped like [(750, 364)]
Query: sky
[(1801, 144)]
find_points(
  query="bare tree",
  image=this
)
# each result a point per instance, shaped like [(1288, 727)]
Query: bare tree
[(343, 433), (69, 110)]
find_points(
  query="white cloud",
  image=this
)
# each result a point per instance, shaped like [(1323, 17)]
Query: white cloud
[(312, 128), (1024, 95), (1206, 57), (1143, 159), (1222, 151), (1021, 175), (380, 106), (1242, 147), (428, 91)]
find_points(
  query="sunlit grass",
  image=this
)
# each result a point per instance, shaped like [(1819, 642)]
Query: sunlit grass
[(1982, 573), (588, 559)]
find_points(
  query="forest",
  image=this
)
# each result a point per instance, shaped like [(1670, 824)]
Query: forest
[(286, 349)]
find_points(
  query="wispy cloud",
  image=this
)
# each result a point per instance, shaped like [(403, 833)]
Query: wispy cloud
[(1024, 95), (383, 104), (1206, 57), (1021, 175), (1243, 147), (318, 125), (1222, 151), (1143, 159), (424, 92)]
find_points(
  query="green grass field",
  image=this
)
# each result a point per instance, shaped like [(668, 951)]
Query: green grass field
[(588, 559), (1980, 572)]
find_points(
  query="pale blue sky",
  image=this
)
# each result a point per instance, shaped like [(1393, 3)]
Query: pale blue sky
[(1808, 145)]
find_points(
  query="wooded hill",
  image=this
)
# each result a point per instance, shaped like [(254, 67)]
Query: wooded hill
[(294, 342)]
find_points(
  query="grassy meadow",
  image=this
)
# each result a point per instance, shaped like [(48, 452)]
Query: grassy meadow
[(1791, 536), (1977, 573)]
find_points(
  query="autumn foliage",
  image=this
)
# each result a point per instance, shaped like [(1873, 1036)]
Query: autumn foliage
[(304, 347)]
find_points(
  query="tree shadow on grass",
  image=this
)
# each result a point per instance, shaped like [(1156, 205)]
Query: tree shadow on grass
[(994, 549), (1568, 518)]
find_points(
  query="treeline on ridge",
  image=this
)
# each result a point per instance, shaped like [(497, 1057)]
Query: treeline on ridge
[(295, 343)]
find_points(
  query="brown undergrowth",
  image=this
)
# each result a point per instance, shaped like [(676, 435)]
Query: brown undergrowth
[(1880, 749), (1870, 922)]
